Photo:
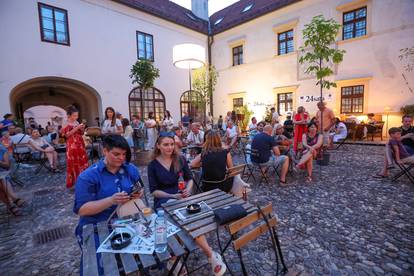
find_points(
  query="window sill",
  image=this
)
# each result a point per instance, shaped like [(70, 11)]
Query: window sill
[(340, 42), (285, 55)]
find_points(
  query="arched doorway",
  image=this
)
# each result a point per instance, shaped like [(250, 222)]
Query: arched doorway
[(191, 102), (144, 101), (45, 114), (56, 91)]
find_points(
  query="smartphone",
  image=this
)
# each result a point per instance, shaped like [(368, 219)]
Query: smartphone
[(136, 189)]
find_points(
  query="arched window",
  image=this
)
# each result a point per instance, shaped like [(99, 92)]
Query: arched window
[(191, 102), (144, 101)]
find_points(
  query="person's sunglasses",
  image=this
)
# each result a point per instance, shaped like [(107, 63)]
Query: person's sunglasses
[(167, 134)]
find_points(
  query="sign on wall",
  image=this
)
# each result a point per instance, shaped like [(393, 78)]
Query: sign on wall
[(304, 99)]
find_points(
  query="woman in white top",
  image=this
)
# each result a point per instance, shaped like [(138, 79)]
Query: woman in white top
[(340, 131), (167, 122), (39, 144), (128, 132), (151, 125), (111, 123)]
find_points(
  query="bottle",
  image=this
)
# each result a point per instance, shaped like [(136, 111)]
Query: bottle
[(160, 233), (181, 183), (244, 193)]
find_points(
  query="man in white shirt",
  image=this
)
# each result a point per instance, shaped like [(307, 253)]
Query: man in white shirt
[(196, 136), (275, 116), (253, 125), (21, 139), (231, 134)]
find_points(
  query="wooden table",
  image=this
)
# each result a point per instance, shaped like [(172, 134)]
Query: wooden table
[(179, 246), (199, 226)]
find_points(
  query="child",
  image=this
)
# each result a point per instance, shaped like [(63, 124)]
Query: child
[(397, 150)]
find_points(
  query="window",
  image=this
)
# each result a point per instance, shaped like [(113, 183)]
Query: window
[(237, 104), (355, 23), (190, 102), (352, 99), (284, 102), (285, 42), (53, 24), (144, 101), (145, 46), (237, 55)]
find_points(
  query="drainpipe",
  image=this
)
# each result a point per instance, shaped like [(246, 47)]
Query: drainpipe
[(210, 40)]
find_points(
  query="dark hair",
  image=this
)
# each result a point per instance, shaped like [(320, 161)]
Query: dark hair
[(394, 130), (175, 128), (113, 117), (273, 108), (312, 123), (371, 114), (406, 116), (111, 141), (168, 114), (337, 120), (7, 115), (151, 115), (125, 123), (70, 110)]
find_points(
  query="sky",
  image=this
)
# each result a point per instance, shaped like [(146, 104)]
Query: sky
[(213, 5)]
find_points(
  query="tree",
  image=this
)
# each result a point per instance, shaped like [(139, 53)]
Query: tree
[(144, 73), (204, 81), (317, 53)]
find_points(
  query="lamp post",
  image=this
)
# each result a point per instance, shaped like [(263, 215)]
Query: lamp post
[(387, 110), (189, 56)]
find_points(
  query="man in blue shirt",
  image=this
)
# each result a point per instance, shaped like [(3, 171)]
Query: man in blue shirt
[(105, 185), (185, 120), (263, 145), (6, 123)]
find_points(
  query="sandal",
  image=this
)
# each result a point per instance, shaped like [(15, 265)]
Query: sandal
[(15, 211), (308, 179), (19, 202), (378, 175), (283, 183)]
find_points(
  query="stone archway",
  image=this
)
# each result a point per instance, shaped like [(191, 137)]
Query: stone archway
[(56, 91)]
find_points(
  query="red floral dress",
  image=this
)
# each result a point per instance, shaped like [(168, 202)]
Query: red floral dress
[(76, 158), (299, 130)]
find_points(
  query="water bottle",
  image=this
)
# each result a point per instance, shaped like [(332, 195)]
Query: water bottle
[(160, 233)]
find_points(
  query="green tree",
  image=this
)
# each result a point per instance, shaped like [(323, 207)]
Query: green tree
[(317, 52), (144, 73), (204, 81)]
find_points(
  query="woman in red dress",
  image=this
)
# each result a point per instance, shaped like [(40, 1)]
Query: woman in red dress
[(76, 158), (300, 120)]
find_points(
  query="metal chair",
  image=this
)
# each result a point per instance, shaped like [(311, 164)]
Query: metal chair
[(242, 232), (231, 172), (262, 168)]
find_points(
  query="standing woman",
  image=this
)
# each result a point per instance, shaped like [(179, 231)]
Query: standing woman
[(300, 120), (167, 122), (76, 158), (111, 124), (151, 125)]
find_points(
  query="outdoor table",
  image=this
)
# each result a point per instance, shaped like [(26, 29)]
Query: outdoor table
[(179, 246), (204, 224)]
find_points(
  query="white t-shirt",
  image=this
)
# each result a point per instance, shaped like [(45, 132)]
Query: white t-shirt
[(275, 117), (168, 123), (252, 127), (232, 132), (20, 138), (193, 138), (343, 132), (107, 128)]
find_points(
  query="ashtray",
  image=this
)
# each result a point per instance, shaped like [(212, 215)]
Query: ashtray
[(119, 241), (193, 208)]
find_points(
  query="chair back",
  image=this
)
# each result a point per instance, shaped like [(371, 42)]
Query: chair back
[(236, 170), (21, 152), (260, 228)]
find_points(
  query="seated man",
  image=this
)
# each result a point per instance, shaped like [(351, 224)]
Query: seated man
[(263, 144), (397, 150), (407, 134), (196, 136), (281, 140), (231, 134), (340, 132), (105, 185), (40, 145)]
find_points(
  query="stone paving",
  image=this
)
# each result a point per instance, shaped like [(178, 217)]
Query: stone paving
[(345, 223)]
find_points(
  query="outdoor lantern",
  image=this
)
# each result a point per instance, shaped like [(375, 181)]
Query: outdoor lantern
[(189, 56)]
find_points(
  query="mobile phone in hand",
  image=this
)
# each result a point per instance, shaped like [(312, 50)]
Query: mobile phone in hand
[(136, 189)]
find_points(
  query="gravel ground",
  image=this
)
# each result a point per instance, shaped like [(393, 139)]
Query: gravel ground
[(345, 223)]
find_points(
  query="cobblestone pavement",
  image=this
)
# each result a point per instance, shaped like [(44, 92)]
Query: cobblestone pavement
[(345, 223)]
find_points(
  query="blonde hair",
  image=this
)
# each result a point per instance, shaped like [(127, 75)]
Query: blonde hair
[(212, 142), (175, 156)]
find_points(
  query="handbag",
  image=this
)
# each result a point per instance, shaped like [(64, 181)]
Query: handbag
[(229, 213)]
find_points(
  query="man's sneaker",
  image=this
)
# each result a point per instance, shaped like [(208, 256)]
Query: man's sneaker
[(217, 264)]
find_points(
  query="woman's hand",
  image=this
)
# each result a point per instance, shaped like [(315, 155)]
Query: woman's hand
[(178, 196), (137, 195), (119, 198), (186, 192)]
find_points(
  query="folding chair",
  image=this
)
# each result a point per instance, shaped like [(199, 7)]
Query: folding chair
[(41, 160), (341, 143), (231, 172), (263, 168), (405, 169), (250, 228), (21, 155)]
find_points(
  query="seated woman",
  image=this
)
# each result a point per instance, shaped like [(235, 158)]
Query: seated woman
[(312, 141), (232, 133), (39, 144), (7, 195), (178, 134), (281, 140), (214, 160), (163, 175), (340, 132), (105, 185)]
